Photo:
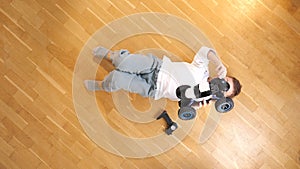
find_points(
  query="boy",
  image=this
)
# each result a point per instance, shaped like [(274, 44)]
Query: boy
[(152, 77)]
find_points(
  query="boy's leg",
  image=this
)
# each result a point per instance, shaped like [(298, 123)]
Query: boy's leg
[(117, 80), (126, 62), (134, 63)]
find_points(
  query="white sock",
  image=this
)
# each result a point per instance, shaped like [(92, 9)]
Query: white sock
[(93, 85)]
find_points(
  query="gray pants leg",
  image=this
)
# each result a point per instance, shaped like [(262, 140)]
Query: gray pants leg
[(134, 73)]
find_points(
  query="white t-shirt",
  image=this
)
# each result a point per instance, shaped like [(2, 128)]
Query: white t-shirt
[(174, 74)]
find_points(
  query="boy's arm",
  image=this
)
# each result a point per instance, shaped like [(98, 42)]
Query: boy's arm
[(201, 59), (218, 65), (207, 56)]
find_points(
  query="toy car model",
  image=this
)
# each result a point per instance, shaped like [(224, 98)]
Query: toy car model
[(217, 87)]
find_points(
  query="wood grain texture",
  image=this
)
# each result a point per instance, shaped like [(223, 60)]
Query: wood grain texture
[(258, 41)]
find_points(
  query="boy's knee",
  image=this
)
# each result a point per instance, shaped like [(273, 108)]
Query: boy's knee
[(118, 56)]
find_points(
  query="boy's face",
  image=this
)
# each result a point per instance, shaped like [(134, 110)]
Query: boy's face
[(230, 91)]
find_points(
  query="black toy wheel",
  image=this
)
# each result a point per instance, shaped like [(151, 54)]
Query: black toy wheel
[(186, 113), (224, 105)]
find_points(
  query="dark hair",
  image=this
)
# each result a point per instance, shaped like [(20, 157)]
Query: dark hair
[(236, 87)]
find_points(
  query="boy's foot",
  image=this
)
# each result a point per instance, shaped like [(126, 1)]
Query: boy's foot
[(92, 85), (101, 52)]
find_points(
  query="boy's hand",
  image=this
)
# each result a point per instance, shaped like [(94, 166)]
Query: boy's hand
[(222, 71), (198, 105)]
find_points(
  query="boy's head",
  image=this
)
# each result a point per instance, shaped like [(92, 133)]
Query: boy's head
[(235, 87)]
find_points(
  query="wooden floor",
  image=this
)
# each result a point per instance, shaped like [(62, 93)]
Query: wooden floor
[(258, 40)]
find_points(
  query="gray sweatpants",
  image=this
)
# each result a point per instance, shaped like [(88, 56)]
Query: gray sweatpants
[(135, 73)]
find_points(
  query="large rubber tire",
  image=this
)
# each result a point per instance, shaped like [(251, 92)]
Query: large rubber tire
[(186, 113), (224, 105)]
